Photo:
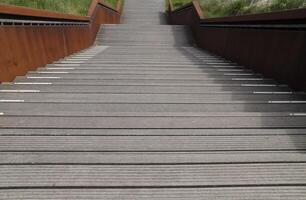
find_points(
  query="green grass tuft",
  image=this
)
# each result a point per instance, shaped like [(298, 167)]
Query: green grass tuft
[(220, 8), (112, 2), (76, 7)]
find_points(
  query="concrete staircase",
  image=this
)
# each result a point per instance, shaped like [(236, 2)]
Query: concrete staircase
[(146, 115), (144, 35)]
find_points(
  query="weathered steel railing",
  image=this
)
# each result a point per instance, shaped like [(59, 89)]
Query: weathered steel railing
[(16, 22), (31, 38), (269, 43)]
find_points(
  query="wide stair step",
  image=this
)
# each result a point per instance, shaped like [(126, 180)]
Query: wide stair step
[(144, 114)]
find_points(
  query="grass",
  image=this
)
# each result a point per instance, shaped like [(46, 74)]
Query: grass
[(179, 3), (76, 7), (220, 8), (112, 2)]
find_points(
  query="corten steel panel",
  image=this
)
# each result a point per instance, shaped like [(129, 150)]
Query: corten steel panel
[(25, 48), (5, 71), (276, 53)]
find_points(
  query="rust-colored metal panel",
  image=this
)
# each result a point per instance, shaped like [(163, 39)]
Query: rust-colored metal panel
[(6, 71), (16, 62), (277, 53), (28, 47)]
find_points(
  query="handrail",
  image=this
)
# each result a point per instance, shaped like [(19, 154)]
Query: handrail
[(195, 4), (95, 3), (301, 27), (31, 38), (16, 22), (119, 6), (170, 5)]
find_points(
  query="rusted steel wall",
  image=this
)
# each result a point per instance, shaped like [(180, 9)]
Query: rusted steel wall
[(277, 53), (24, 48), (103, 14)]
